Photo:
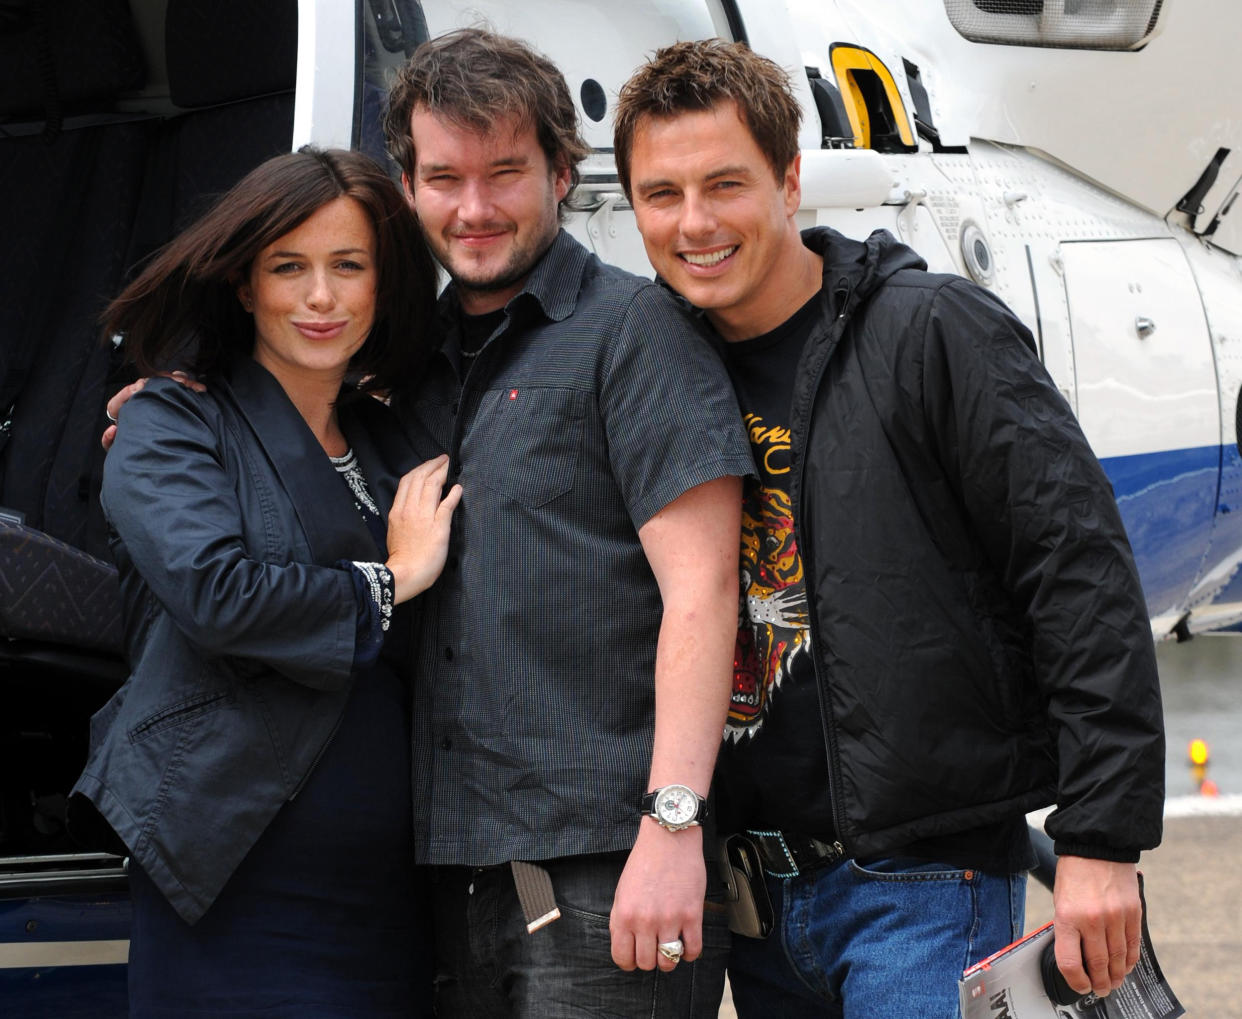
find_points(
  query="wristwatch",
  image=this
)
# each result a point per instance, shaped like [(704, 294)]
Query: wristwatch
[(675, 807)]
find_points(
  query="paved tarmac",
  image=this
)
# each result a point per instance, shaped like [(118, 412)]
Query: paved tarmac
[(1194, 906)]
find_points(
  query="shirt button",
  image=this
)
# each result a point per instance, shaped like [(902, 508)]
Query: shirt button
[(448, 653), (446, 744)]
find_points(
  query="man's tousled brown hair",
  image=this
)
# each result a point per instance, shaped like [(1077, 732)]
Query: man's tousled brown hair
[(696, 76), (473, 78)]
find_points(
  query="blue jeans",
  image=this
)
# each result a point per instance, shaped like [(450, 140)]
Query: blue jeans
[(888, 938), (488, 967)]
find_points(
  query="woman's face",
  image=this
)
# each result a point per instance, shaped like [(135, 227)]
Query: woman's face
[(312, 294)]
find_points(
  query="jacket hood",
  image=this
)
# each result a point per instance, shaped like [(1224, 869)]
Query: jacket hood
[(858, 267)]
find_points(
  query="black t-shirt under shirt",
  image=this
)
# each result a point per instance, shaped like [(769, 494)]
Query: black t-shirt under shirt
[(773, 771), (474, 331), (773, 766)]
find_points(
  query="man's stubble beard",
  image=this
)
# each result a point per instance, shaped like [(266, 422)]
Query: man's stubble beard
[(522, 261)]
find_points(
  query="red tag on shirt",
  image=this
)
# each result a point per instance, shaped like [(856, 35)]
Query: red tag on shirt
[(512, 394)]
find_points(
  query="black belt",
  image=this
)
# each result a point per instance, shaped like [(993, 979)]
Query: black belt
[(786, 854)]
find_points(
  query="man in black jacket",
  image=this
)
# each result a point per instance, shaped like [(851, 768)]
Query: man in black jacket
[(942, 624)]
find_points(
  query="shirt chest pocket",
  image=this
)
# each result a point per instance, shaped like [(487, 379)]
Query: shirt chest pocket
[(525, 443)]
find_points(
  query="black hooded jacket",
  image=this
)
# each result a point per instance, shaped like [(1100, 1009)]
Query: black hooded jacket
[(979, 633)]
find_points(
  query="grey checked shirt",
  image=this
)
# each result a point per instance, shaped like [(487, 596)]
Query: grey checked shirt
[(594, 404)]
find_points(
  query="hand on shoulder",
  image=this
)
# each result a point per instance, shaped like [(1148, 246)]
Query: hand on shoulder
[(123, 396)]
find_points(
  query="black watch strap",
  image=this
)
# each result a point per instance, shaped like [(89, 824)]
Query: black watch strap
[(647, 804)]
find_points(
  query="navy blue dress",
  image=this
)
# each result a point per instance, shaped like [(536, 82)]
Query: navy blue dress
[(324, 919)]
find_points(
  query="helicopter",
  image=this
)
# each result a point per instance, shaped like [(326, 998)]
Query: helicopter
[(1079, 158)]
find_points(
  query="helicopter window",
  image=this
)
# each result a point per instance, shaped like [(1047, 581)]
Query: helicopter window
[(628, 33), (1062, 24), (873, 104), (594, 101)]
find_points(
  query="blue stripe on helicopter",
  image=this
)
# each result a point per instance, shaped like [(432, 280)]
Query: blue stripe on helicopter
[(1168, 501)]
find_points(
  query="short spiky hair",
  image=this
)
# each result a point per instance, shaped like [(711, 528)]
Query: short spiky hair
[(475, 78), (695, 76)]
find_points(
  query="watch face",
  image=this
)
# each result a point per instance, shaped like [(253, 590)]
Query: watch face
[(676, 804)]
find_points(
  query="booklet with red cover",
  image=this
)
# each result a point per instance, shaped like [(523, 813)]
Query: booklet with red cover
[(1011, 985)]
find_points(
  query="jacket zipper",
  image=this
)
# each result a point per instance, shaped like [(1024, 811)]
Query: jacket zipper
[(842, 296)]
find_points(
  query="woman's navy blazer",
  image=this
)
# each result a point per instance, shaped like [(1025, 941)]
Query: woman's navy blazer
[(230, 524)]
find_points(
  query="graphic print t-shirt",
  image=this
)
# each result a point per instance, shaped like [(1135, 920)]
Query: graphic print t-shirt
[(773, 770), (773, 766)]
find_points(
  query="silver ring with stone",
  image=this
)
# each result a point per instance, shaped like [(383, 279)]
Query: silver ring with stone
[(671, 950)]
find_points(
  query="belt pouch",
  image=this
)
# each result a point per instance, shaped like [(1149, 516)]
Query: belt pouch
[(746, 889)]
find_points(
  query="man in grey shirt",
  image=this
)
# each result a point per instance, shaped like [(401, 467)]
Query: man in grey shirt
[(577, 653)]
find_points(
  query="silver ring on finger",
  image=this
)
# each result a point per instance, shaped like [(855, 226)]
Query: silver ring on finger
[(671, 950)]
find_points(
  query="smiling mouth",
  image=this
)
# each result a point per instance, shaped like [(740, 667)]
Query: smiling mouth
[(320, 330), (483, 235), (710, 258)]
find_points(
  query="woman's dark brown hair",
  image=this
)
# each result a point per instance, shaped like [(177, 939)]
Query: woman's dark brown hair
[(182, 311)]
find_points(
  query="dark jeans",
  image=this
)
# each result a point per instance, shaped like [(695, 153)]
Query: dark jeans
[(488, 967), (871, 941)]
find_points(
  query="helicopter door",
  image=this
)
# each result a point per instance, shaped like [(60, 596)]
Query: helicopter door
[(1147, 401)]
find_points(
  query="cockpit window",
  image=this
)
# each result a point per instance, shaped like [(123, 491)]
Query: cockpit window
[(1060, 24)]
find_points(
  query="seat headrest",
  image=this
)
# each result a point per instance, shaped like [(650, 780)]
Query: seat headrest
[(227, 50), (71, 56)]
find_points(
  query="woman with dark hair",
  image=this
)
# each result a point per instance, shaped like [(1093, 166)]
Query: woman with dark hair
[(255, 767)]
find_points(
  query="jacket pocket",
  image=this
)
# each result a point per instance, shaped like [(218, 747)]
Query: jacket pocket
[(179, 713), (1010, 685), (525, 442), (906, 868)]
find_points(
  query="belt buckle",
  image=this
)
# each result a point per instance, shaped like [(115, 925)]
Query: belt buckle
[(825, 854)]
